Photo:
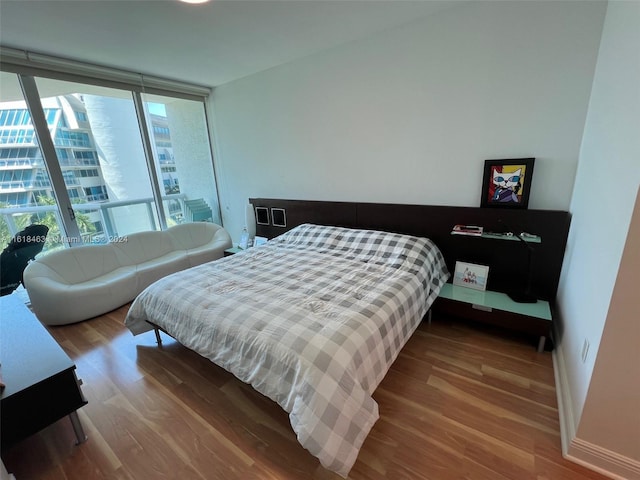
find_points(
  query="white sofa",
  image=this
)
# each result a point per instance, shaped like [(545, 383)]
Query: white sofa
[(79, 283)]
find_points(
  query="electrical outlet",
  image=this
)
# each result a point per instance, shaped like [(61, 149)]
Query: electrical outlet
[(585, 350)]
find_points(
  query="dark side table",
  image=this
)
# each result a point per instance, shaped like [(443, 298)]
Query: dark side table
[(40, 381)]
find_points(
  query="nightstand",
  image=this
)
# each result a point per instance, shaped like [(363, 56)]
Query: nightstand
[(496, 308)]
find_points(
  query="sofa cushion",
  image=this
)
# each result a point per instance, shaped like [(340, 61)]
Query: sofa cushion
[(58, 302), (77, 264), (152, 270), (191, 235), (141, 247), (202, 241)]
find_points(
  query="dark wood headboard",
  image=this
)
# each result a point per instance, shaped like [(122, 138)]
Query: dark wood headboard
[(507, 259)]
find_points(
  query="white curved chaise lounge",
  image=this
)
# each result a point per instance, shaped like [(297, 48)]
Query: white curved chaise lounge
[(79, 283)]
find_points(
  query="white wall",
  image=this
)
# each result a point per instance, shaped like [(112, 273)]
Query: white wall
[(410, 115), (610, 420), (602, 204)]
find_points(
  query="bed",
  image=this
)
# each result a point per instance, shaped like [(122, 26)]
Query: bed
[(313, 319)]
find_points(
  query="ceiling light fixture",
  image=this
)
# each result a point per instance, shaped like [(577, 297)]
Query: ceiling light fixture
[(195, 1)]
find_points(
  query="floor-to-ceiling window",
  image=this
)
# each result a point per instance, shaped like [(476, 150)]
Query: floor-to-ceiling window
[(97, 140), (115, 160), (26, 195), (183, 157)]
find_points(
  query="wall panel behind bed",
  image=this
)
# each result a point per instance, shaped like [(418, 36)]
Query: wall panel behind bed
[(507, 259)]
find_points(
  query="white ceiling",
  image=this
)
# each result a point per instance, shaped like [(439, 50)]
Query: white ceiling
[(207, 44)]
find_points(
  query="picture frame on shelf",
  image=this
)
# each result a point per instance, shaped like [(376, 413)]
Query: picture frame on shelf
[(471, 275), (507, 183)]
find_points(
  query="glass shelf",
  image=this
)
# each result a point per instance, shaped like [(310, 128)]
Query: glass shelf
[(502, 236), (499, 301)]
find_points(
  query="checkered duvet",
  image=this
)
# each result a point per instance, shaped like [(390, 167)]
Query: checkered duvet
[(313, 320)]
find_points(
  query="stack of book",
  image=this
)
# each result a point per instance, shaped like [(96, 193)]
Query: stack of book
[(473, 230)]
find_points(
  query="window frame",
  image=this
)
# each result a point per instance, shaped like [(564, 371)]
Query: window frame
[(28, 66)]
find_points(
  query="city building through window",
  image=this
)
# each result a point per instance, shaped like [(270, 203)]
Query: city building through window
[(124, 161)]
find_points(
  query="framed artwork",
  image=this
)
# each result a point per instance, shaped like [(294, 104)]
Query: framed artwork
[(507, 183), (278, 217), (471, 275), (262, 215)]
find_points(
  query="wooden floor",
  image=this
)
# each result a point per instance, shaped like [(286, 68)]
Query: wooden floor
[(460, 402)]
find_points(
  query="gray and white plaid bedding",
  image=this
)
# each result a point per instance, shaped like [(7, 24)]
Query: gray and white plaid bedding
[(313, 319)]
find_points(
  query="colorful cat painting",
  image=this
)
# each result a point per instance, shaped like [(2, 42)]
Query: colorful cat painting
[(506, 185)]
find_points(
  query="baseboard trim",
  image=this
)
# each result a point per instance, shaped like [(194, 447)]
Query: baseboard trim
[(603, 461), (593, 457), (565, 405)]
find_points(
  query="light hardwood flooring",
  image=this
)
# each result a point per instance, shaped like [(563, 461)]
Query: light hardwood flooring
[(460, 402)]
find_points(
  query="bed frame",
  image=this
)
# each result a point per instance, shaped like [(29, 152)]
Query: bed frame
[(507, 259)]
